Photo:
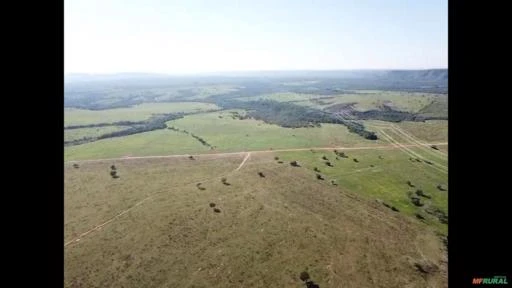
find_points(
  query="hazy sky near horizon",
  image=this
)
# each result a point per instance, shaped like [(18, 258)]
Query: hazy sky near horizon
[(188, 36)]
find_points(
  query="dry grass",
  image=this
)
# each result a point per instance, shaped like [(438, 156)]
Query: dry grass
[(270, 229)]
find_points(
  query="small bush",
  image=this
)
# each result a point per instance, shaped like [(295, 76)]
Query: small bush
[(294, 164), (328, 164), (280, 162), (276, 158), (419, 216), (316, 169), (76, 165), (113, 167), (191, 157), (410, 184), (441, 187), (394, 209), (319, 177), (113, 173), (434, 147), (216, 210), (304, 276), (355, 160), (261, 174), (212, 205), (416, 201), (325, 158), (420, 192)]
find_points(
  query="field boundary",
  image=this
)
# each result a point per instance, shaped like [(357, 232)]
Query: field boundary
[(256, 151)]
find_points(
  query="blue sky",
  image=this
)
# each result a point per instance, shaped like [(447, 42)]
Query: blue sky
[(189, 36)]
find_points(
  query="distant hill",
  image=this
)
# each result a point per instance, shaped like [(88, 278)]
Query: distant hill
[(418, 75)]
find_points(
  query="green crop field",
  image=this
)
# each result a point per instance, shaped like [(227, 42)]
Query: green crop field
[(140, 112), (154, 225), (75, 134)]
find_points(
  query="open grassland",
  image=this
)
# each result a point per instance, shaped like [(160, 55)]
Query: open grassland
[(159, 142), (225, 134), (404, 101), (269, 228), (380, 174), (428, 131), (229, 134), (140, 112), (76, 134), (282, 97)]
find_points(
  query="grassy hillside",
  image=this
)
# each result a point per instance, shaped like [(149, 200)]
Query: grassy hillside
[(267, 231)]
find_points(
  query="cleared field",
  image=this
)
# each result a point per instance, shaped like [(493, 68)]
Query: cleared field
[(75, 134), (269, 229), (225, 134), (404, 101), (159, 142), (428, 131), (282, 97), (140, 112)]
